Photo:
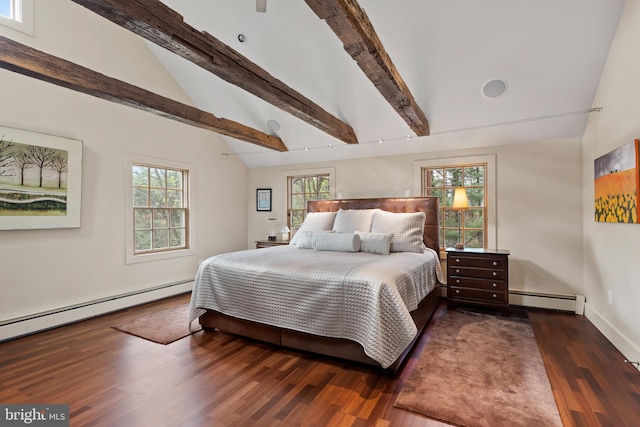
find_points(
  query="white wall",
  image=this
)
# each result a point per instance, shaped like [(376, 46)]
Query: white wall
[(539, 219), (611, 250), (47, 269)]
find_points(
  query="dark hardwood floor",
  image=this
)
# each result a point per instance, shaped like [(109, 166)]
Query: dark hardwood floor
[(110, 378)]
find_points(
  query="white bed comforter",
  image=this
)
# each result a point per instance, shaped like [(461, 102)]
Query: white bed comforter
[(358, 296)]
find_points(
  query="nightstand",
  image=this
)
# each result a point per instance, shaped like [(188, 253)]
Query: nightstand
[(478, 277), (269, 243)]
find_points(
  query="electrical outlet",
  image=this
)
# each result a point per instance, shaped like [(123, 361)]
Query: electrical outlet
[(610, 296), (407, 193)]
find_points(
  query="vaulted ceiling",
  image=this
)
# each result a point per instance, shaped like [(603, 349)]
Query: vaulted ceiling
[(550, 53)]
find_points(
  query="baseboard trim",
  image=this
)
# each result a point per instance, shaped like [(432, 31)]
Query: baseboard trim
[(615, 336), (37, 322)]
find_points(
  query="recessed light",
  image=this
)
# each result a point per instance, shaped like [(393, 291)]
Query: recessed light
[(494, 88)]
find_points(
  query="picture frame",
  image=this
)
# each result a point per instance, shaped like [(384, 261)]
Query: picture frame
[(617, 183), (263, 200), (40, 180)]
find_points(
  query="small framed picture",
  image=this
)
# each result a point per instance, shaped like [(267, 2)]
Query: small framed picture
[(263, 199)]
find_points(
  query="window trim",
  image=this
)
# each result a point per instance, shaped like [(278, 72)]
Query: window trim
[(25, 24), (490, 177), (131, 256)]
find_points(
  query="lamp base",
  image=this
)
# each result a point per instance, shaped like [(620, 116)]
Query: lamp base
[(459, 246)]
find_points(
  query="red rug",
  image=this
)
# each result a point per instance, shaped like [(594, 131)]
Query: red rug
[(480, 370), (163, 327)]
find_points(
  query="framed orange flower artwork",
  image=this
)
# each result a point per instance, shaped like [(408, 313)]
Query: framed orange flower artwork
[(617, 180)]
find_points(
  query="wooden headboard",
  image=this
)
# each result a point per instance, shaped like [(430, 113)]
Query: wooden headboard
[(428, 205)]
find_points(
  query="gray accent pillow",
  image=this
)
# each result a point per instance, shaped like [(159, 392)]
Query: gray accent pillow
[(341, 242), (305, 238), (407, 229), (375, 243)]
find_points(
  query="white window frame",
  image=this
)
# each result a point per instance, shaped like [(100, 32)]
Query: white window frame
[(23, 21), (131, 256), (490, 177)]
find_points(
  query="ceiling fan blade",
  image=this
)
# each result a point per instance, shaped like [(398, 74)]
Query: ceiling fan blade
[(261, 6)]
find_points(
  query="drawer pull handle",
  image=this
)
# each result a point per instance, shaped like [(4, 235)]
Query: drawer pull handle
[(457, 291), (495, 285), (494, 274), (457, 271), (458, 281), (495, 262), (495, 296), (457, 259)]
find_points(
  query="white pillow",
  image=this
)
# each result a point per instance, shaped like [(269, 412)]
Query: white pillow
[(305, 239), (342, 242), (315, 221), (350, 220), (407, 229), (375, 243)]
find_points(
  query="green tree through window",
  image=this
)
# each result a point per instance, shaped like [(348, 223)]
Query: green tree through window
[(159, 209), (302, 189), (442, 182)]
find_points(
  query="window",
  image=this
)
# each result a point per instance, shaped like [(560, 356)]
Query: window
[(17, 14), (159, 209), (302, 188), (11, 9), (158, 218), (442, 182)]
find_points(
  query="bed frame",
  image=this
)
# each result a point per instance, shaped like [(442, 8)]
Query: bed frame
[(338, 347)]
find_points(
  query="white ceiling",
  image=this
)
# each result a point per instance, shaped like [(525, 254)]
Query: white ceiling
[(551, 53)]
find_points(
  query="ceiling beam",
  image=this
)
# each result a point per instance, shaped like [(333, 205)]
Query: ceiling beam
[(30, 62), (161, 25), (351, 24)]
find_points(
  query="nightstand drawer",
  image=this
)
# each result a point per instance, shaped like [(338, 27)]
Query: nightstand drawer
[(489, 285), (270, 243), (484, 262), (476, 294), (484, 273)]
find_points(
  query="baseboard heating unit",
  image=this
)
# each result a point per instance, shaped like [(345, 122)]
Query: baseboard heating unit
[(36, 322), (573, 303)]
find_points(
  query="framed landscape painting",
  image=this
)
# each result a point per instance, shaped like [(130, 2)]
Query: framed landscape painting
[(40, 180), (616, 185)]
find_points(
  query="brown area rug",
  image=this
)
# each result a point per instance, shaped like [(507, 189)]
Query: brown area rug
[(481, 370), (163, 327)]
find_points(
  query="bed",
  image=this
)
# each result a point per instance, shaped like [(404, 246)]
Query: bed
[(332, 291)]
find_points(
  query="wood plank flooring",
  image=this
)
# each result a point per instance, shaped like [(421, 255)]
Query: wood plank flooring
[(213, 379)]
